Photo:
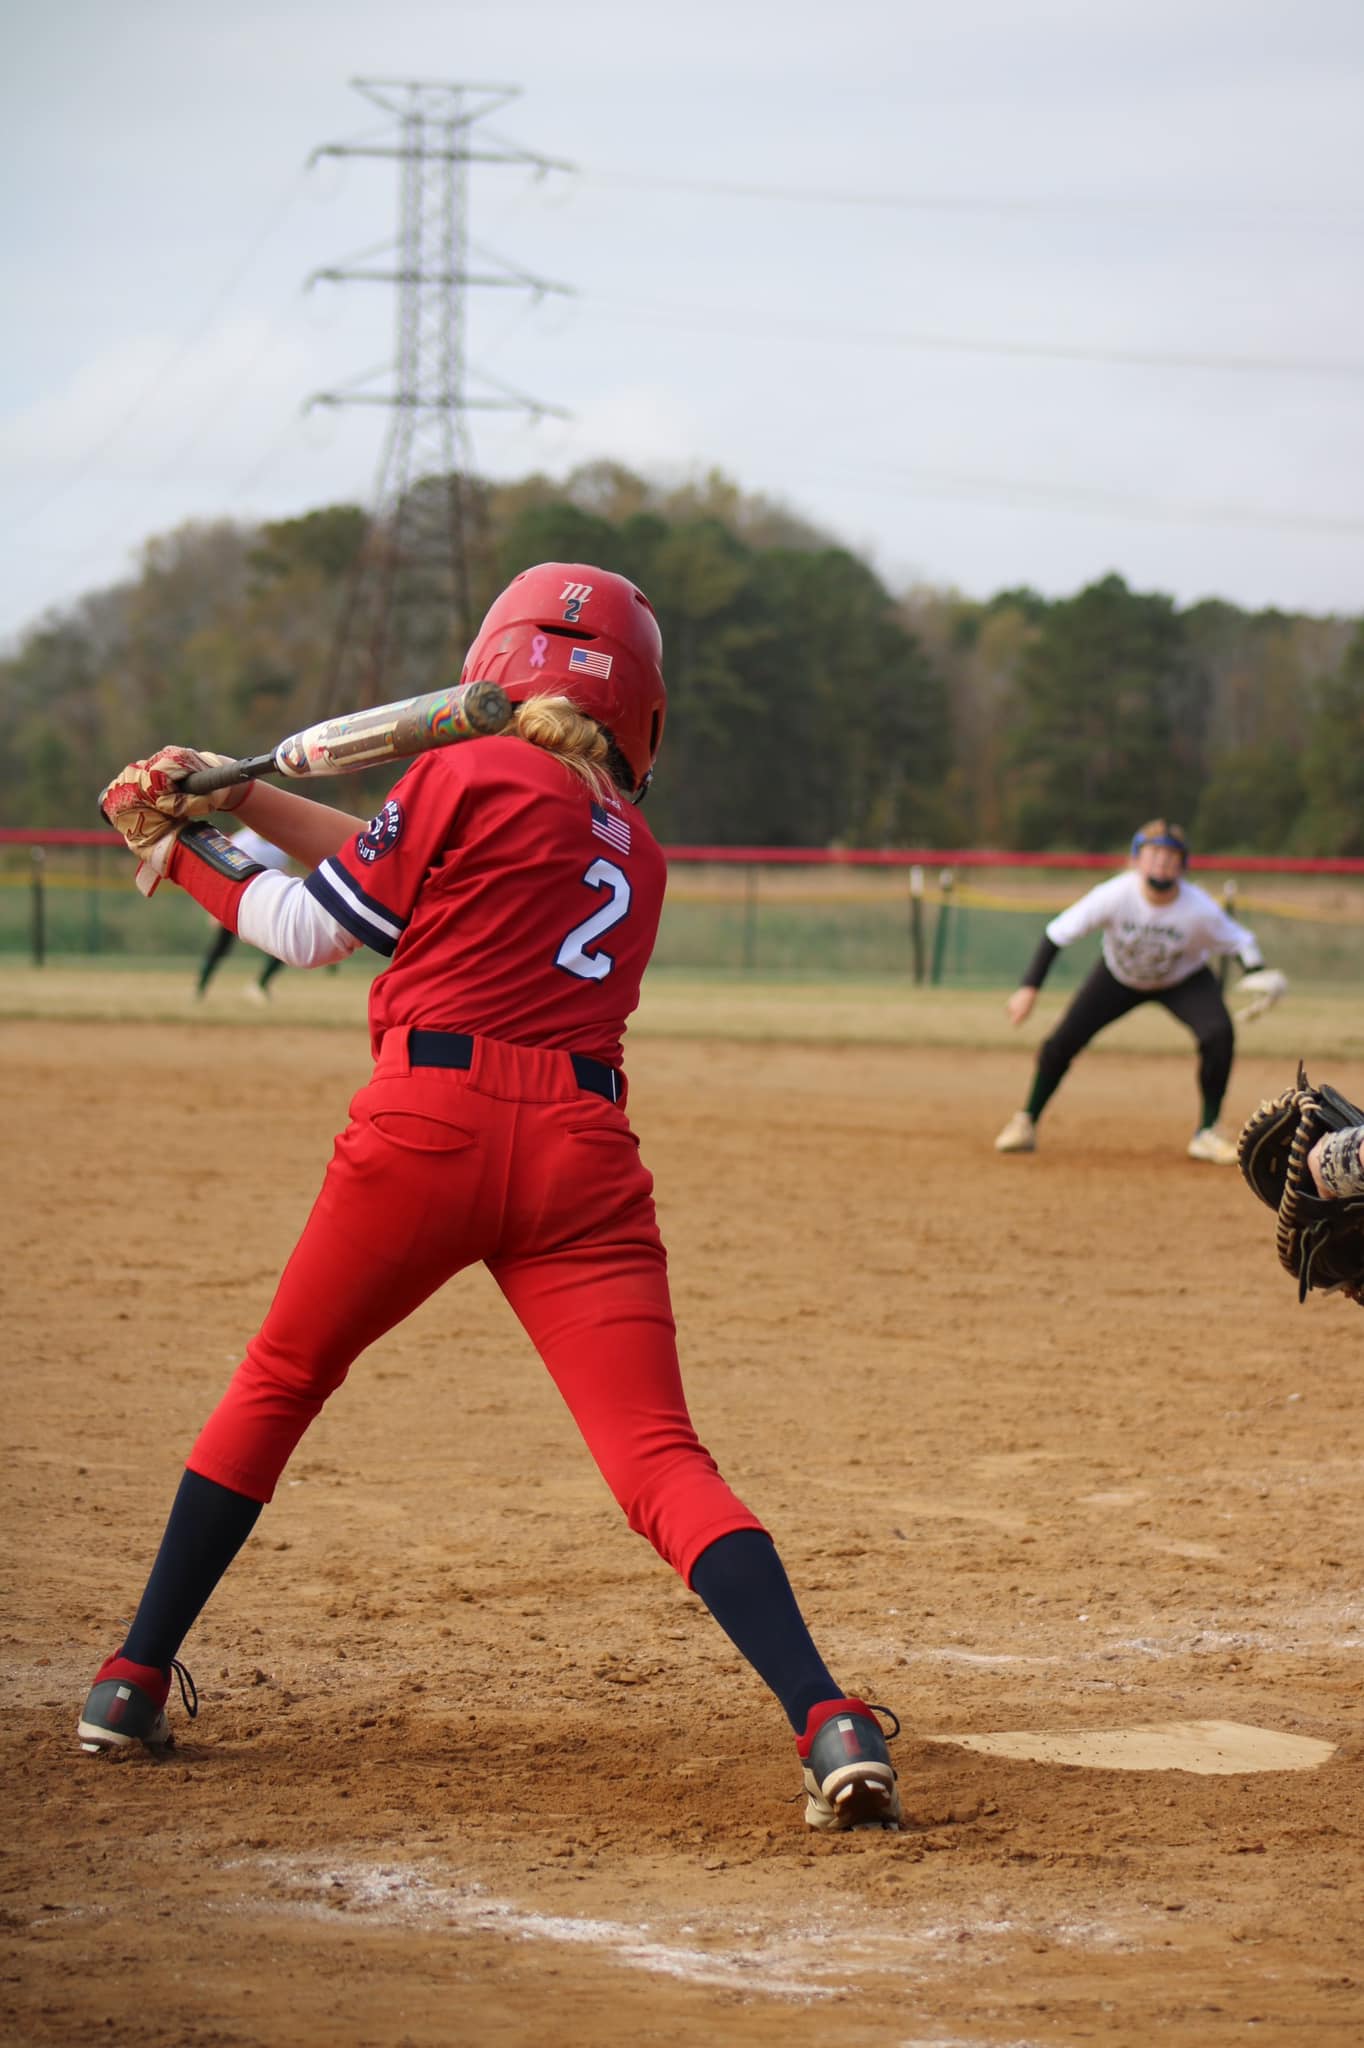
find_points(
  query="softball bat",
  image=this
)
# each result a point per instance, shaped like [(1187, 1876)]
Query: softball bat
[(368, 739)]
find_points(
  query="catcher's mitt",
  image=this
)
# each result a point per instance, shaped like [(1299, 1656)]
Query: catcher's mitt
[(1321, 1243)]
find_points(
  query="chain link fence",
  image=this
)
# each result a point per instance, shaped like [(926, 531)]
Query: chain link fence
[(960, 928)]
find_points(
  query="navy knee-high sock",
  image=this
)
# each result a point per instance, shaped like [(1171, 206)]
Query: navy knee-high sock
[(208, 1526), (744, 1584)]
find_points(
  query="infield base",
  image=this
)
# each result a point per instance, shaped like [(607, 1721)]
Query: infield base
[(1213, 1748)]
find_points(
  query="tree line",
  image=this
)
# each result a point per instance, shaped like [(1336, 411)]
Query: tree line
[(809, 705)]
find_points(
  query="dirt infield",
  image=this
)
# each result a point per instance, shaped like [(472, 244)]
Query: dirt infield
[(1050, 1450)]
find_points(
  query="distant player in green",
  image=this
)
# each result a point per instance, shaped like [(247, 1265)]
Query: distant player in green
[(224, 938)]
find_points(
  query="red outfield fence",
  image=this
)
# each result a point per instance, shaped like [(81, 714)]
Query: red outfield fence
[(851, 857), (913, 914)]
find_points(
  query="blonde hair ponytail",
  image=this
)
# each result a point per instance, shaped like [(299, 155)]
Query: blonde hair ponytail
[(556, 725)]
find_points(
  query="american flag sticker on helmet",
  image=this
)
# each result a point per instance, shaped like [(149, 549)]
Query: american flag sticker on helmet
[(614, 830), (588, 663)]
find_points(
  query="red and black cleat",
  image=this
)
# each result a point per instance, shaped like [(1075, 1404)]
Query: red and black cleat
[(127, 1705), (849, 1777)]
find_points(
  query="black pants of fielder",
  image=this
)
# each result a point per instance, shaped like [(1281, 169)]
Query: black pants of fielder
[(1102, 999), (220, 946)]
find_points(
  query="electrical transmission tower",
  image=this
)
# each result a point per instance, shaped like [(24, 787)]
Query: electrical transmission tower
[(407, 614)]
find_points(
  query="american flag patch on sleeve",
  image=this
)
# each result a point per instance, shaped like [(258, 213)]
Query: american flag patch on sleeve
[(615, 831), (589, 664)]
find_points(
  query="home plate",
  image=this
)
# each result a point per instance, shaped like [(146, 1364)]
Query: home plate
[(1212, 1747)]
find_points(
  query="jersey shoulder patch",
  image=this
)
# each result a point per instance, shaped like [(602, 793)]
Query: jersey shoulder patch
[(382, 833)]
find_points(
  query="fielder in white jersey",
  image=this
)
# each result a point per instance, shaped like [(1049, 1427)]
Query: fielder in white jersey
[(1160, 931)]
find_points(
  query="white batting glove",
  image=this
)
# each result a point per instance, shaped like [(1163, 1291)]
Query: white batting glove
[(146, 791), (174, 764), (1266, 986), (133, 801), (154, 861), (146, 806)]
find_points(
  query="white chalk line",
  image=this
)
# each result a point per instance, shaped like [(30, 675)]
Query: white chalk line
[(1198, 1643), (798, 1960)]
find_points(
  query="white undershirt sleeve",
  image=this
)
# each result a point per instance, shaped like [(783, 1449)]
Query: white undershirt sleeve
[(1230, 937), (277, 914)]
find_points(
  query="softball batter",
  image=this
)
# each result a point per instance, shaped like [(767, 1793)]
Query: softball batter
[(1159, 932), (515, 891)]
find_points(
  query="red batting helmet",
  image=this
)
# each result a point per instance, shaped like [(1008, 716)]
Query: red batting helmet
[(567, 629)]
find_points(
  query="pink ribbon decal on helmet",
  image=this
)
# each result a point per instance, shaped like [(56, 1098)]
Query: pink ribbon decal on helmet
[(539, 648)]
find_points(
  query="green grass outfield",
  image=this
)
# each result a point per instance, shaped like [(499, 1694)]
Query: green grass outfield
[(763, 922), (1312, 1023)]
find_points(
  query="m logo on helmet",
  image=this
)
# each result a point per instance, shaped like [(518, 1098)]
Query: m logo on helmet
[(573, 597)]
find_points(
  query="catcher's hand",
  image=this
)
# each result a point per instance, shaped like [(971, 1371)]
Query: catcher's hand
[(1319, 1241), (1266, 986)]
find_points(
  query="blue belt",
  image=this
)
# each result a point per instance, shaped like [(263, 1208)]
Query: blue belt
[(456, 1049)]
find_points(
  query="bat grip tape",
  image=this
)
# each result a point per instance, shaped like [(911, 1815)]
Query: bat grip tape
[(203, 781)]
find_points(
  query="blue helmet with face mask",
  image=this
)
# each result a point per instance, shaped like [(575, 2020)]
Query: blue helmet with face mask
[(1157, 832)]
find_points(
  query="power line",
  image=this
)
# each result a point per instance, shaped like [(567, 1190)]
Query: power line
[(760, 327), (1023, 491), (1281, 218)]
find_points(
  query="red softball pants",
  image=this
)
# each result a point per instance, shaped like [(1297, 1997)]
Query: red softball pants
[(511, 1163)]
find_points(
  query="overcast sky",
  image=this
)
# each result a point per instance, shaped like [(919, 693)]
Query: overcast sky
[(997, 293)]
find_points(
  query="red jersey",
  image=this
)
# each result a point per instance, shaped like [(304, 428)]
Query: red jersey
[(510, 902)]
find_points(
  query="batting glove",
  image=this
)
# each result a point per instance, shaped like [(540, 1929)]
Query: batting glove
[(154, 861), (130, 803), (144, 800)]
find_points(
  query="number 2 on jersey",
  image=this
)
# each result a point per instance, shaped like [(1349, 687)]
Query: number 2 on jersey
[(573, 954)]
